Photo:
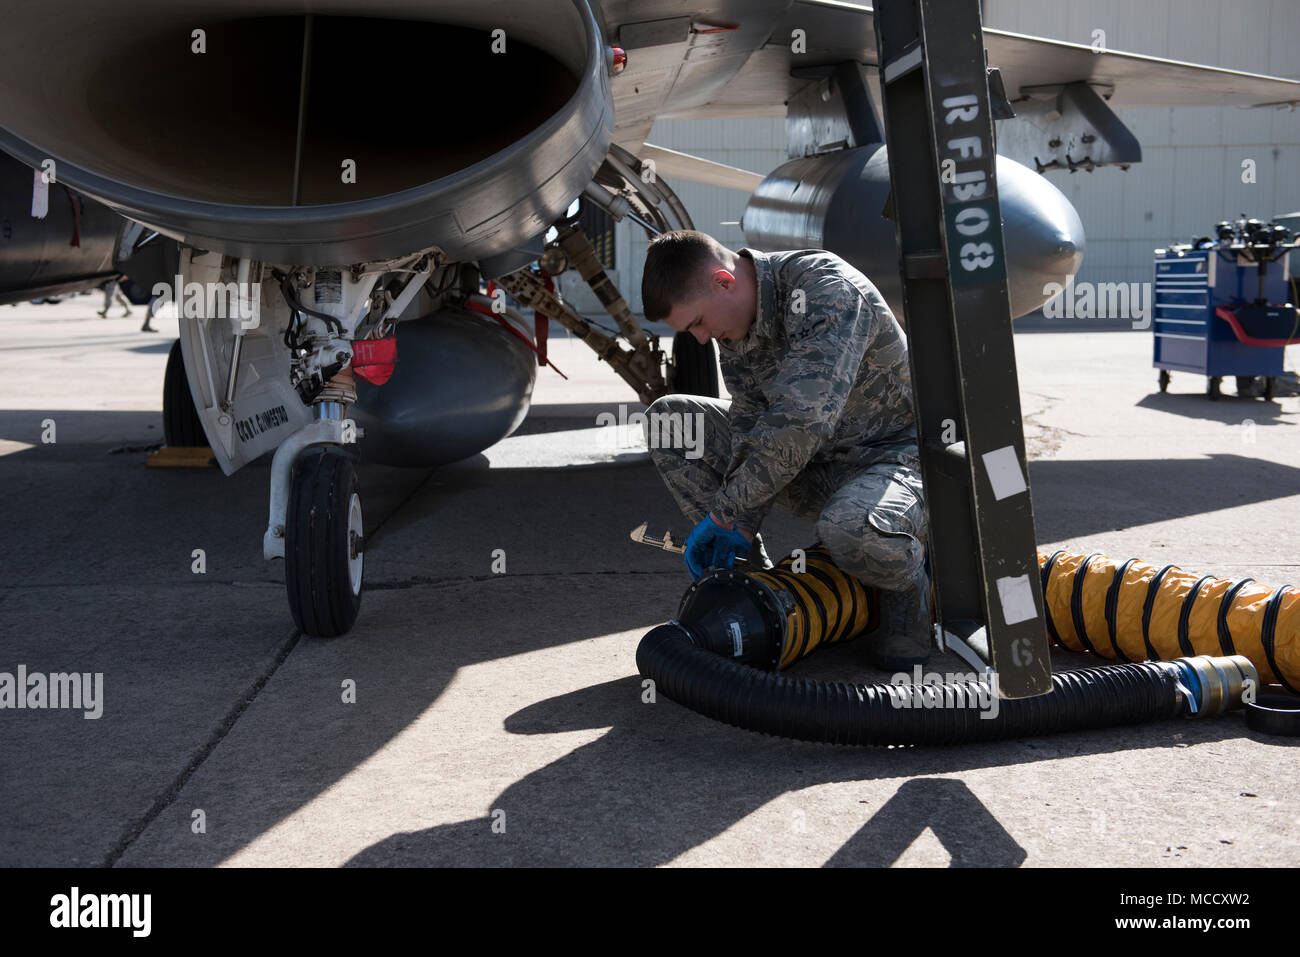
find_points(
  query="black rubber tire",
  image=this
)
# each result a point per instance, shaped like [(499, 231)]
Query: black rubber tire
[(1213, 387), (317, 544), (695, 367), (136, 294), (1270, 388), (1246, 387), (182, 427), (1163, 379)]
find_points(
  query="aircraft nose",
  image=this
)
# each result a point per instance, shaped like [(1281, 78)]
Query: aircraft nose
[(1043, 236)]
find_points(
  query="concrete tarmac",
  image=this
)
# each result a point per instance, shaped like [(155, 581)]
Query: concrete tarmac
[(498, 718)]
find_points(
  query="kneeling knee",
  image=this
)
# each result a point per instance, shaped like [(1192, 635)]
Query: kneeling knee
[(889, 561)]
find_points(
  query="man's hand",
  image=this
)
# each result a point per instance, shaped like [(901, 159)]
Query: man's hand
[(710, 544)]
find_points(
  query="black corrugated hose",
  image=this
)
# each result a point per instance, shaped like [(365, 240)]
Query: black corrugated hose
[(856, 714)]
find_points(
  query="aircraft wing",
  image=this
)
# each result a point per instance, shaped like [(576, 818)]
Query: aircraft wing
[(834, 31), (1137, 80)]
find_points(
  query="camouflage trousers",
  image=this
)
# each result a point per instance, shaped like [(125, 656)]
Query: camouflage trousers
[(871, 518)]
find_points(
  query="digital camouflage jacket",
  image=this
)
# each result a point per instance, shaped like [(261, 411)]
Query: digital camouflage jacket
[(821, 377)]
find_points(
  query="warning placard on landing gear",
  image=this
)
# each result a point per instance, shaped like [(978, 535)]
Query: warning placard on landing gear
[(252, 426)]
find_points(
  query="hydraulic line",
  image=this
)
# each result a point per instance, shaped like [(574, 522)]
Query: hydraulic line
[(735, 630), (573, 239), (1134, 611), (645, 377)]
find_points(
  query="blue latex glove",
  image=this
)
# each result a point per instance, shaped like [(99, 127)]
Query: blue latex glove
[(711, 545)]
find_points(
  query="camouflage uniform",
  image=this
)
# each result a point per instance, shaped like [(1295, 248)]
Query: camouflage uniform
[(820, 423)]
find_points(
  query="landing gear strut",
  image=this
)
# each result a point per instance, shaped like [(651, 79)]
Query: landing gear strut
[(624, 186)]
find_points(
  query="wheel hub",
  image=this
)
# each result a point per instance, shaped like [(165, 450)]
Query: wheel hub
[(356, 543)]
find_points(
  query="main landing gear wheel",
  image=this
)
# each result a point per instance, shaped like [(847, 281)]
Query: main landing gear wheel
[(695, 367), (182, 427), (1270, 388), (1164, 380), (324, 544)]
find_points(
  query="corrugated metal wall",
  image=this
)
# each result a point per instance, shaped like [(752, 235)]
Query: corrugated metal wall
[(1190, 176)]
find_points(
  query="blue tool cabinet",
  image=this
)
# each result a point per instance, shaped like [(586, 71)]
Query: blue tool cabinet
[(1207, 320)]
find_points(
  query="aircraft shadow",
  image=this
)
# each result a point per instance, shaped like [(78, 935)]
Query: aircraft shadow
[(564, 418), (1140, 492)]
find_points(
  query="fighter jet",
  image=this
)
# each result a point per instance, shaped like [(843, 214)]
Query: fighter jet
[(352, 204)]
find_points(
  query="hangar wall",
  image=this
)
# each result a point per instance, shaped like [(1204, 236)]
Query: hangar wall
[(1190, 176)]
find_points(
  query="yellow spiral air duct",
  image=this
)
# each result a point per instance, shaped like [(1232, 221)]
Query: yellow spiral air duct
[(803, 603), (1136, 611), (1122, 610), (830, 606), (736, 629)]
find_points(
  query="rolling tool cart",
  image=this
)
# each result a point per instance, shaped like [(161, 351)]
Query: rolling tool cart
[(1227, 307)]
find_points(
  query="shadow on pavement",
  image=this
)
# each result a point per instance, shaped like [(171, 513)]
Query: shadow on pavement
[(208, 707), (1140, 492), (1229, 409), (665, 780)]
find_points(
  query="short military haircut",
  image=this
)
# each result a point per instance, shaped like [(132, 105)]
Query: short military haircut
[(674, 270)]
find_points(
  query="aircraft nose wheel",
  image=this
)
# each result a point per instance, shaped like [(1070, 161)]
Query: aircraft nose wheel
[(324, 548), (695, 367)]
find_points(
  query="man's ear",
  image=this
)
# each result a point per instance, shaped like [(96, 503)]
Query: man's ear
[(723, 277)]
